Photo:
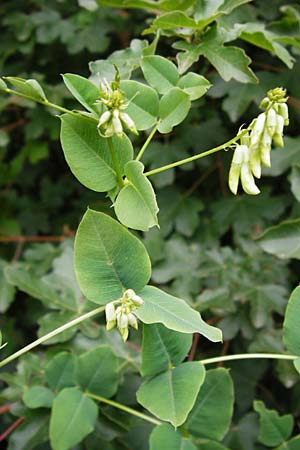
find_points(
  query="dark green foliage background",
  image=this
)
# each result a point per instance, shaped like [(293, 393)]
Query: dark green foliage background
[(206, 249)]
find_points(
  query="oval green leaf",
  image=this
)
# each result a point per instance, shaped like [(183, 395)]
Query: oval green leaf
[(162, 348), (194, 85), (108, 258), (98, 372), (291, 329), (82, 89), (143, 103), (205, 420), (88, 154), (136, 205), (171, 395), (174, 313), (173, 109), (160, 73), (73, 417), (38, 397)]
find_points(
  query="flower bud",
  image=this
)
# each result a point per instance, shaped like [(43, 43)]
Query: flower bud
[(122, 321), (284, 112), (271, 121), (116, 123), (254, 161), (110, 312), (240, 154), (247, 180), (258, 129), (104, 118), (124, 333), (128, 122), (132, 321)]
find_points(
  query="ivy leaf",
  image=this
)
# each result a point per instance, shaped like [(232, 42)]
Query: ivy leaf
[(177, 19), (173, 109), (160, 73), (98, 371), (110, 260), (88, 154), (171, 395), (282, 240), (143, 106), (28, 87), (205, 420), (174, 313), (73, 417), (136, 205), (83, 90), (230, 62), (274, 429), (291, 332), (162, 348)]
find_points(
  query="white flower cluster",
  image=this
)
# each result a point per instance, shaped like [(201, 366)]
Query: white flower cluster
[(121, 313), (112, 120), (254, 149)]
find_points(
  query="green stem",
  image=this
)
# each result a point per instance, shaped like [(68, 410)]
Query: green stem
[(146, 143), (53, 333), (124, 408), (195, 157), (219, 359), (47, 103), (115, 162)]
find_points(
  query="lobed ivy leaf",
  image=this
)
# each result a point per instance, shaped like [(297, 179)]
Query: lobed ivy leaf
[(171, 395), (136, 206), (110, 260), (282, 240), (274, 429)]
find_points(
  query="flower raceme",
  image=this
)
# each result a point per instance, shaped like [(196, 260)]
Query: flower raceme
[(121, 313), (112, 120), (254, 149)]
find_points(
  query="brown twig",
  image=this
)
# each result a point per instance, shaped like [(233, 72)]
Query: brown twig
[(10, 429), (194, 346), (224, 352), (5, 408), (12, 126), (200, 180), (34, 238), (133, 346)]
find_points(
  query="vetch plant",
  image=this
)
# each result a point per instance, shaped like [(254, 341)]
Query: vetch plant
[(113, 267)]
